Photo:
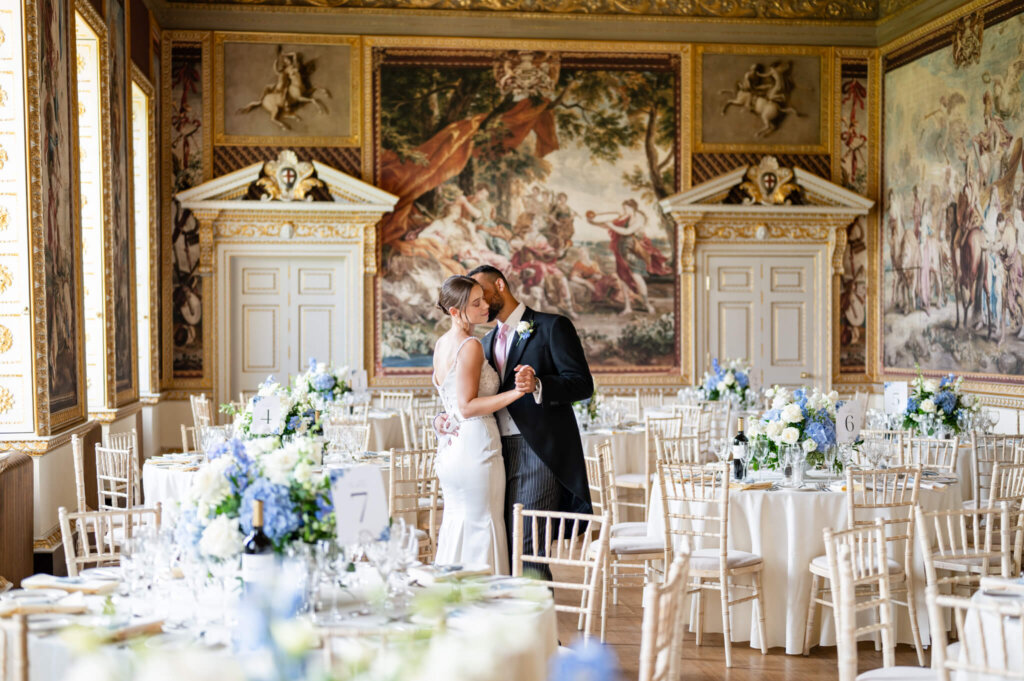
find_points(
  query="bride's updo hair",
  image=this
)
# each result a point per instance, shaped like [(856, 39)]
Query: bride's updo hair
[(455, 292)]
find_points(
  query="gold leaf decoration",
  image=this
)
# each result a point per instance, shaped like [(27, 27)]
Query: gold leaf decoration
[(6, 400), (6, 339), (5, 218), (6, 280)]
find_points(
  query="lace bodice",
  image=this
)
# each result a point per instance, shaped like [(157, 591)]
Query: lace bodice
[(489, 383)]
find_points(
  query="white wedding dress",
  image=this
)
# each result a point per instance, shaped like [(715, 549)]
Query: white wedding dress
[(472, 475)]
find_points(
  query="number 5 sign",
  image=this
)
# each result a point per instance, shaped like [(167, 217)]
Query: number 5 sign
[(359, 502), (849, 421)]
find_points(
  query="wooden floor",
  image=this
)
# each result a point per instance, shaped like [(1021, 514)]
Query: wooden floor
[(708, 661)]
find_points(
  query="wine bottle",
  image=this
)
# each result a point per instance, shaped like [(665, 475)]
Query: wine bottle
[(257, 551), (739, 447)]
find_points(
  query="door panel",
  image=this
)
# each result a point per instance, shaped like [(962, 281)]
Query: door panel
[(735, 329)]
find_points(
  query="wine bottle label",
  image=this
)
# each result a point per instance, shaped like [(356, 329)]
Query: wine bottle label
[(257, 568)]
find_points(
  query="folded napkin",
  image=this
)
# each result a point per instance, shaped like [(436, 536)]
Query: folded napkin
[(134, 630), (432, 574), (11, 608), (741, 486), (69, 584)]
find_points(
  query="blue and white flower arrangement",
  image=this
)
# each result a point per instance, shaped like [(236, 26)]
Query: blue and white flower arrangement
[(297, 507), (938, 407), (321, 385), (730, 381), (796, 418)]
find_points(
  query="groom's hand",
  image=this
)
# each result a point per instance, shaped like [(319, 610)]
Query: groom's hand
[(445, 425), (526, 379)]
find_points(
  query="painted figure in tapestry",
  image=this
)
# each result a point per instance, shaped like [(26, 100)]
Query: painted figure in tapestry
[(187, 132), (58, 213), (953, 294), (290, 91), (549, 170)]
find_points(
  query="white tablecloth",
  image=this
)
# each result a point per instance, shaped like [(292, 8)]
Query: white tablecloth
[(987, 626), (785, 528), (385, 431), (627, 447), (523, 657)]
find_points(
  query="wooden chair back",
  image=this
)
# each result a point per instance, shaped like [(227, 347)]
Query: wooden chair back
[(653, 398), (423, 409), (201, 414), (594, 461), (721, 414), (695, 505), (189, 439), (989, 632), (931, 453), (858, 562), (960, 541), (577, 541), (893, 491), (682, 449), (395, 400), (128, 440), (661, 635), (628, 405), (101, 534), (116, 479), (413, 490), (892, 440), (78, 454), (349, 413), (986, 451)]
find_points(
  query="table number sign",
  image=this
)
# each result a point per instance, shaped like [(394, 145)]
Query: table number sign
[(359, 502), (849, 421), (896, 393), (266, 415), (358, 381)]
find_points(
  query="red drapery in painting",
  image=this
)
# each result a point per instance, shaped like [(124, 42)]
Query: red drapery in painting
[(447, 153)]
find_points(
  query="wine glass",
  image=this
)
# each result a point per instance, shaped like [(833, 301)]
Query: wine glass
[(830, 460), (792, 461)]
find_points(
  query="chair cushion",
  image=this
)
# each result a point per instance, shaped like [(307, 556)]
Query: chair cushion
[(633, 529), (707, 559), (630, 480), (899, 674), (820, 566), (632, 545)]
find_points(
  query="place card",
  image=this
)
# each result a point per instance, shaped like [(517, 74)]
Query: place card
[(896, 393), (266, 415), (849, 421), (360, 504)]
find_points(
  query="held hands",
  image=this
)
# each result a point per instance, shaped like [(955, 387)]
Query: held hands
[(445, 425), (526, 379)]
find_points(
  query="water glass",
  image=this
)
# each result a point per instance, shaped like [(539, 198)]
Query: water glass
[(792, 459), (830, 453)]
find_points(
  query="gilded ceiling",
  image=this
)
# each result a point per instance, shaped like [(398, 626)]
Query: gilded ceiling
[(828, 10)]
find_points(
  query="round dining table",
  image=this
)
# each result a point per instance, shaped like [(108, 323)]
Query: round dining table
[(784, 526)]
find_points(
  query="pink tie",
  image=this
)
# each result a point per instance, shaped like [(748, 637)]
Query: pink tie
[(500, 350)]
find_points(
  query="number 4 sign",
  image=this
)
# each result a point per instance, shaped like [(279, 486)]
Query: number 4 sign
[(266, 415), (359, 502), (849, 421)]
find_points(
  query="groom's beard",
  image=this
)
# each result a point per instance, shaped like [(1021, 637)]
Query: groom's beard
[(492, 311)]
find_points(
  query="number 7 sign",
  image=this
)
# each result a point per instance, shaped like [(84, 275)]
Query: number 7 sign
[(359, 502)]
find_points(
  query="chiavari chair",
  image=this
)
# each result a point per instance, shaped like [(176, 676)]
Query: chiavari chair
[(117, 483), (931, 453), (960, 542), (996, 649), (894, 493), (696, 509), (201, 414), (128, 440), (986, 452), (100, 534), (413, 491), (575, 541), (189, 439), (661, 634)]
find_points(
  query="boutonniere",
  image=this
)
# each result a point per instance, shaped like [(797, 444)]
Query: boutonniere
[(524, 329)]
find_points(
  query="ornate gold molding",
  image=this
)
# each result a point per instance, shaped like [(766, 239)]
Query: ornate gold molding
[(51, 541), (40, 445), (110, 415)]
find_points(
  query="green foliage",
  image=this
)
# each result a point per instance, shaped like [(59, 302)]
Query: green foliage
[(643, 341)]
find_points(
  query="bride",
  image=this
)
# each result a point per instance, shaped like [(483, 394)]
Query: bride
[(469, 463)]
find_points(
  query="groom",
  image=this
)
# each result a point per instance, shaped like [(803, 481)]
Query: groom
[(540, 354)]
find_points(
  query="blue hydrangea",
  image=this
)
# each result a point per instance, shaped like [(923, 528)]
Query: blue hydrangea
[(823, 433), (773, 415), (187, 531), (280, 517), (742, 380), (912, 405), (233, 447), (587, 662), (324, 506), (946, 401), (322, 382), (240, 473), (294, 422), (947, 380), (716, 367)]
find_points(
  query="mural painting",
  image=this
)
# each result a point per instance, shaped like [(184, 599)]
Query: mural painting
[(853, 165), (953, 228), (187, 130), (548, 166)]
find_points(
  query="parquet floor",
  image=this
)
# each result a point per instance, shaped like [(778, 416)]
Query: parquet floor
[(708, 661)]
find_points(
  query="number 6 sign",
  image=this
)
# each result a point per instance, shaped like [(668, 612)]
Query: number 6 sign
[(849, 421), (359, 502)]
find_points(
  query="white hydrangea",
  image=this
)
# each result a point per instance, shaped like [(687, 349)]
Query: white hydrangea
[(721, 386), (209, 486), (221, 538), (729, 378), (774, 430), (931, 386)]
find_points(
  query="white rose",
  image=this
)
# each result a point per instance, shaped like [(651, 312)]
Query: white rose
[(780, 401), (721, 386), (303, 472), (221, 538), (278, 466), (809, 445), (774, 430), (769, 393), (928, 406), (931, 386), (792, 414), (209, 486), (754, 429), (790, 436), (729, 379)]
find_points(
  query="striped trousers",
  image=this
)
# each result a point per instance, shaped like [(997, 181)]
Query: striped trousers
[(528, 481)]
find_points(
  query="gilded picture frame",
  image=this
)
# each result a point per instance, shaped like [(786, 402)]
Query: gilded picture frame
[(770, 99), (52, 103), (438, 52), (283, 89)]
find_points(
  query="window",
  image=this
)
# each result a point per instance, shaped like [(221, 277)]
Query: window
[(143, 165)]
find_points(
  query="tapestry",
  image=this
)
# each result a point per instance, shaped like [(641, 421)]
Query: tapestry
[(120, 211), (186, 171), (60, 221), (953, 229), (546, 165), (853, 165)]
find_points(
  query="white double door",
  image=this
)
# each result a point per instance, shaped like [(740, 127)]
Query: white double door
[(284, 310), (768, 305)]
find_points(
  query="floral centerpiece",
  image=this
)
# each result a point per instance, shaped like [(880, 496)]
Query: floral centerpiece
[(796, 418), (217, 511), (728, 382), (936, 406), (320, 386), (587, 410)]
